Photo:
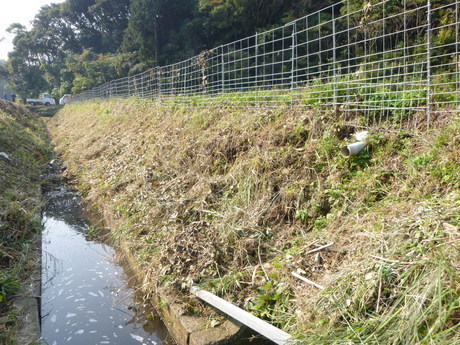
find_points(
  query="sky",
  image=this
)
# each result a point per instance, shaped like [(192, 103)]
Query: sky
[(17, 11)]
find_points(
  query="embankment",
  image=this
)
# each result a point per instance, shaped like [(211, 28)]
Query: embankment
[(24, 148), (236, 199)]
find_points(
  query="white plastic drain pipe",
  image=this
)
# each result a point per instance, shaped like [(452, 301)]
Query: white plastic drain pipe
[(352, 149)]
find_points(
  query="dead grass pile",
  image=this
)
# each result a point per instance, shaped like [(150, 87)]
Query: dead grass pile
[(236, 200)]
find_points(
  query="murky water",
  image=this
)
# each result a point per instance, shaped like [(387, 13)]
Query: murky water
[(86, 298)]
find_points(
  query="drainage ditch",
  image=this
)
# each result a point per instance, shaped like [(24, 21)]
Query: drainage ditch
[(87, 297)]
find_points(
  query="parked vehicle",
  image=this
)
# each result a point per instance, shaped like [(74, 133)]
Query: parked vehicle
[(65, 99), (45, 100)]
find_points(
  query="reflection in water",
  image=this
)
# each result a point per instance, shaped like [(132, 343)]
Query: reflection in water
[(85, 297)]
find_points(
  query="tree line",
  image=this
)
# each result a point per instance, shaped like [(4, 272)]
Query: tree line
[(79, 44)]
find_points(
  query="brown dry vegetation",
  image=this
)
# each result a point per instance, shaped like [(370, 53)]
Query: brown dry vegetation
[(23, 139), (233, 199)]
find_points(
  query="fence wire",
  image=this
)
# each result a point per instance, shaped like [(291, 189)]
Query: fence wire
[(389, 61)]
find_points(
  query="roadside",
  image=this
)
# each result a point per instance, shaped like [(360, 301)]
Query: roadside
[(24, 153)]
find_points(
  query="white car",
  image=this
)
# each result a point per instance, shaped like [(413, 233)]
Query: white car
[(65, 99)]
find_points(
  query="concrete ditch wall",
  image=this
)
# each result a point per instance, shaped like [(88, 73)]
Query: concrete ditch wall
[(185, 329), (27, 305)]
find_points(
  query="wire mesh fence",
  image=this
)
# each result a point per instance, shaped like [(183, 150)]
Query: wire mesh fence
[(393, 61)]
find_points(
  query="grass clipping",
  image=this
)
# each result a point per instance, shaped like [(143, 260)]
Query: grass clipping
[(24, 147), (236, 199)]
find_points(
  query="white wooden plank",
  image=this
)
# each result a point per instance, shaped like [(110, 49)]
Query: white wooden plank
[(260, 326)]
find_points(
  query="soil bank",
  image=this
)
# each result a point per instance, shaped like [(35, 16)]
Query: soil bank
[(237, 199)]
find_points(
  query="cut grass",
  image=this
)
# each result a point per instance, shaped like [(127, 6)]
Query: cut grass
[(406, 295), (232, 198), (24, 139)]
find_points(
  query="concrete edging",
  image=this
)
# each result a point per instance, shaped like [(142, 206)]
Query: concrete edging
[(185, 329), (27, 306)]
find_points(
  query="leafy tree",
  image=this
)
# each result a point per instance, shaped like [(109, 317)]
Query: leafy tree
[(79, 44), (163, 31), (99, 23), (89, 69), (234, 19), (38, 61), (3, 70), (24, 64), (141, 34)]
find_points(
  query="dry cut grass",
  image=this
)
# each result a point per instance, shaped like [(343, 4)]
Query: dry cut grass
[(235, 199), (23, 139)]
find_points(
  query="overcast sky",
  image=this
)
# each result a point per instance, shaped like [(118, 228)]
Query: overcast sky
[(17, 11)]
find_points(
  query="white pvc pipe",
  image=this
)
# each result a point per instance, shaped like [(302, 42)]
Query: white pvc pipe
[(308, 281), (352, 149)]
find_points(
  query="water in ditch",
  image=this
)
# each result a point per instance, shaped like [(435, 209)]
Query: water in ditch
[(86, 297)]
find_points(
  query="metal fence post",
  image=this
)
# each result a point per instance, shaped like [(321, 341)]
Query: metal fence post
[(334, 58), (141, 92), (293, 42), (256, 79), (159, 81), (222, 62), (171, 82), (182, 76), (457, 43), (428, 66)]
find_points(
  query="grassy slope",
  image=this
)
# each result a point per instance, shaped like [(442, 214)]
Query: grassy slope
[(233, 199), (24, 139)]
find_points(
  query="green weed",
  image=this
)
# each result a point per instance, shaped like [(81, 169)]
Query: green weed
[(9, 284), (273, 303)]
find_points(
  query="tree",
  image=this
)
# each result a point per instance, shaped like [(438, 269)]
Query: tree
[(38, 61), (230, 20), (99, 24), (164, 32)]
